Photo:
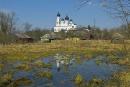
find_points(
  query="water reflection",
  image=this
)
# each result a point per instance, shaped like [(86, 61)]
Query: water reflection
[(64, 69), (63, 61)]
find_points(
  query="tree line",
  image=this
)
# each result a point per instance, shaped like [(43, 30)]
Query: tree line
[(119, 9), (8, 27)]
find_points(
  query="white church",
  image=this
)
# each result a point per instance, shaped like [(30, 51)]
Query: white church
[(64, 24)]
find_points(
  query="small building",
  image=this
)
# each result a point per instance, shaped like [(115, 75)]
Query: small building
[(46, 38), (23, 38), (117, 38), (53, 36)]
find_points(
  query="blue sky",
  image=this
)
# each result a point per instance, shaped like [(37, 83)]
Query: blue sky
[(42, 13)]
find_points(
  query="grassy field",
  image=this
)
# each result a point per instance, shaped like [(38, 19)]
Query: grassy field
[(88, 48), (36, 50)]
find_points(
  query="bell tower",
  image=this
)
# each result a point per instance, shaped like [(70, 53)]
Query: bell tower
[(58, 19)]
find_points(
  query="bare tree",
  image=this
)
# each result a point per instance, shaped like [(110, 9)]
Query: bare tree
[(82, 3), (7, 22), (117, 8), (12, 22), (27, 26)]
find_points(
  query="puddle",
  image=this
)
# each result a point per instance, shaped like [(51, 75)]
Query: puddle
[(64, 73)]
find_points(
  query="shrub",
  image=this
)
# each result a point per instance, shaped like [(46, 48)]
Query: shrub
[(78, 79)]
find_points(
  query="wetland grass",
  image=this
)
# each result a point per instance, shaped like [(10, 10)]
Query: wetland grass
[(40, 63), (24, 67), (1, 66), (120, 79), (5, 80), (78, 79), (21, 82), (27, 52), (89, 48), (45, 74), (95, 82)]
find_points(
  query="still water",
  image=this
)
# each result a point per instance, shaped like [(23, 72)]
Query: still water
[(64, 75)]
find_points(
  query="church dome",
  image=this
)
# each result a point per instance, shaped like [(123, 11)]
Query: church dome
[(62, 19), (71, 20), (66, 18), (58, 14)]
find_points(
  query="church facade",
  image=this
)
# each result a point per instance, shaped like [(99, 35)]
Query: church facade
[(64, 24)]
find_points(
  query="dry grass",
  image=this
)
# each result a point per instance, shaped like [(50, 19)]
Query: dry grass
[(36, 50), (28, 52)]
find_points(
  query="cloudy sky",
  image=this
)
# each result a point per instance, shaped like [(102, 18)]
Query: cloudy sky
[(42, 13)]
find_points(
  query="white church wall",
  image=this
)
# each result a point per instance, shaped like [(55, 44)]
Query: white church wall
[(64, 24)]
